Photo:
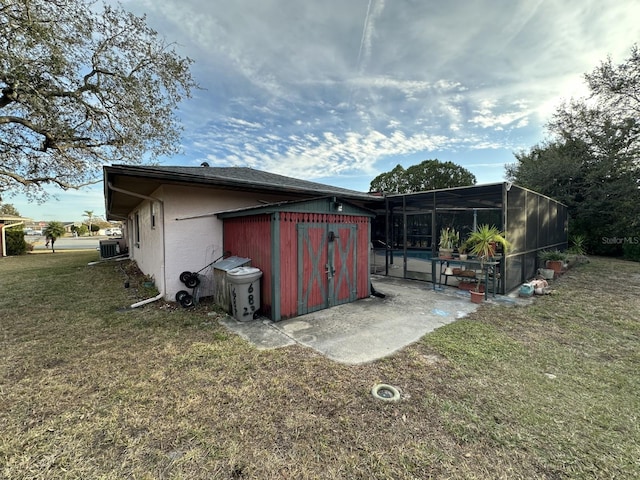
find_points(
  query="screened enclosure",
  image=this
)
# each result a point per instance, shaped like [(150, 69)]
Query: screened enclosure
[(406, 234)]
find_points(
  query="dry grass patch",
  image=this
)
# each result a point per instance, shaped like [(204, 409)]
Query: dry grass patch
[(90, 391)]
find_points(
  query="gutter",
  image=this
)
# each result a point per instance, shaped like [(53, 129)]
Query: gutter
[(164, 246)]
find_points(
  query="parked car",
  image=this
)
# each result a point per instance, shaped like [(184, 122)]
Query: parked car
[(113, 232)]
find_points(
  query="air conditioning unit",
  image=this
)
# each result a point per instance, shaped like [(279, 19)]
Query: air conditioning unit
[(109, 248)]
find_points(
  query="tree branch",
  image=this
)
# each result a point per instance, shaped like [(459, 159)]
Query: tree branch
[(40, 180)]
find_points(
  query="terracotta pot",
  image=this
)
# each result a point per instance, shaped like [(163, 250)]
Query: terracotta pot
[(470, 286), (476, 297), (555, 265)]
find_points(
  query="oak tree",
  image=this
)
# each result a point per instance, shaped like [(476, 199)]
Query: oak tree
[(80, 87), (427, 175), (592, 162)]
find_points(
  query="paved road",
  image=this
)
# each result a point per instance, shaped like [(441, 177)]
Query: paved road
[(67, 243)]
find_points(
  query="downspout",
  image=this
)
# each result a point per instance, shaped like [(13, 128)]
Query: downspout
[(4, 236), (148, 300), (164, 250)]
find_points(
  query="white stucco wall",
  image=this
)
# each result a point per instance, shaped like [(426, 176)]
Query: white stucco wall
[(145, 241), (179, 243)]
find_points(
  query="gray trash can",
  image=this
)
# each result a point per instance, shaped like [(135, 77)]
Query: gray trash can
[(221, 294), (244, 289)]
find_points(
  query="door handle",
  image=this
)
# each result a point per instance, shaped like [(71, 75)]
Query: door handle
[(329, 271)]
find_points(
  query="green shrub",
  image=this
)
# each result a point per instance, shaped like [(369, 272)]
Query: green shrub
[(631, 248), (16, 244)]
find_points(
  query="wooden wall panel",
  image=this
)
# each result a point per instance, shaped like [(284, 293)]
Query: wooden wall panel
[(250, 237)]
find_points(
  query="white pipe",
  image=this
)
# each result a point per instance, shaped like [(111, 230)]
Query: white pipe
[(148, 300), (191, 217), (4, 236), (117, 258)]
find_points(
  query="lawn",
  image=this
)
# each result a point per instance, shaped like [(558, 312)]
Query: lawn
[(92, 390)]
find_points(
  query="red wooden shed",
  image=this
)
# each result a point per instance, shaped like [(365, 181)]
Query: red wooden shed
[(314, 254)]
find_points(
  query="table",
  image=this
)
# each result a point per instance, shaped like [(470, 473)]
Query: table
[(469, 262)]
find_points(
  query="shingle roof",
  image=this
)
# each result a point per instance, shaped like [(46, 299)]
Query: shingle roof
[(241, 176), (13, 218)]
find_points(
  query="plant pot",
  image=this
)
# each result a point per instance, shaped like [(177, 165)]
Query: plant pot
[(467, 285), (546, 273), (446, 253), (470, 286), (476, 297), (463, 256), (555, 265)]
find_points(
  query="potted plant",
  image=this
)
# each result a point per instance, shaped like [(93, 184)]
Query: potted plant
[(553, 259), (578, 249), (462, 250), (449, 239), (483, 243)]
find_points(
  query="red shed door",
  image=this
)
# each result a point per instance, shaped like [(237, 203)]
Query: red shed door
[(327, 265)]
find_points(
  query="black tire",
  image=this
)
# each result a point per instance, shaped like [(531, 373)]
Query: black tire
[(180, 295), (187, 301), (184, 276), (193, 281)]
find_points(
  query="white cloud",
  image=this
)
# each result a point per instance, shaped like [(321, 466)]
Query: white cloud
[(238, 122), (334, 88)]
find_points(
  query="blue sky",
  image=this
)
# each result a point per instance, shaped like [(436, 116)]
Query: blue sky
[(339, 91)]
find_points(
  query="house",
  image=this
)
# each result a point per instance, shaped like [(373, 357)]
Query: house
[(174, 219), (6, 222), (170, 213)]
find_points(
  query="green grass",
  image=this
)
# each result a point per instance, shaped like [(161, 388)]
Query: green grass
[(91, 390)]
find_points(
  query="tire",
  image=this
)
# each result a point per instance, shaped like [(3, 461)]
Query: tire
[(180, 295), (187, 301), (193, 281), (184, 276)]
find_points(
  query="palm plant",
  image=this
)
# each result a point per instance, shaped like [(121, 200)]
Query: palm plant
[(483, 242), (53, 231), (89, 215), (578, 244), (552, 255)]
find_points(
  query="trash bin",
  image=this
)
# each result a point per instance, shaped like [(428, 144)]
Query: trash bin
[(244, 289), (221, 295)]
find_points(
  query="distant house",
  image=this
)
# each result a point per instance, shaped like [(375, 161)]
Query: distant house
[(6, 222), (170, 213)]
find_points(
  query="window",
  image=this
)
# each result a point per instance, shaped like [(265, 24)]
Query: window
[(152, 213), (137, 229)]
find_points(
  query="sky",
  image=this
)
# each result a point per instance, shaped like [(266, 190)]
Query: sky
[(339, 91)]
